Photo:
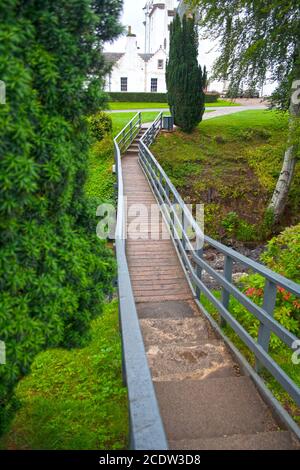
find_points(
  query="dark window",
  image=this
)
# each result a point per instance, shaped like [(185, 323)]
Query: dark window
[(153, 85), (124, 83), (160, 64), (165, 43)]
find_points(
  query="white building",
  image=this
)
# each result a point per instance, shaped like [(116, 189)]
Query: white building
[(137, 71)]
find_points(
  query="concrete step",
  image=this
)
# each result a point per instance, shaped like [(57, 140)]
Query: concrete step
[(203, 409), (132, 150), (207, 359), (171, 309), (276, 440), (183, 331)]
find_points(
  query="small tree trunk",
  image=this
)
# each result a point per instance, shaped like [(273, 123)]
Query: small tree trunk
[(281, 192)]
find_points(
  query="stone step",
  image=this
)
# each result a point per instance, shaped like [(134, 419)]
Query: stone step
[(171, 309), (154, 297), (207, 359), (276, 440), (183, 331), (198, 409)]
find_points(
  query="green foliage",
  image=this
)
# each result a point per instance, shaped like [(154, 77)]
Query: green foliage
[(100, 124), (216, 166), (54, 272), (100, 181), (185, 78), (158, 98), (74, 399), (211, 97), (256, 39), (283, 253), (138, 97)]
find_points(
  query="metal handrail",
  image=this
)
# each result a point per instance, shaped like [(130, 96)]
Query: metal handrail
[(128, 133), (146, 428), (194, 264)]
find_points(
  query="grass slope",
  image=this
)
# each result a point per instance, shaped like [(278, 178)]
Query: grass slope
[(231, 164), (138, 105), (74, 399)]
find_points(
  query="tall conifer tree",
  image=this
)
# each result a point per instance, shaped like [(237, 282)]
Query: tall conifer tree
[(185, 78)]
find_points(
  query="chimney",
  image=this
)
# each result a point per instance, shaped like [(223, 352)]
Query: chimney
[(131, 45)]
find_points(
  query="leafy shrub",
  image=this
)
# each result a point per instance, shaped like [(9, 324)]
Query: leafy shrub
[(138, 97), (152, 97), (54, 273), (212, 97), (230, 223), (100, 125), (283, 253), (100, 181), (239, 228)]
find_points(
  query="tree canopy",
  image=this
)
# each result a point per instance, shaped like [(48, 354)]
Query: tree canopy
[(54, 272), (257, 39)]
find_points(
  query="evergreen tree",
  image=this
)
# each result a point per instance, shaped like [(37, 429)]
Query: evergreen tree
[(54, 272), (184, 76)]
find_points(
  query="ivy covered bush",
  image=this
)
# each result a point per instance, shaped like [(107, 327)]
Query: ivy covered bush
[(282, 256), (54, 272), (100, 125)]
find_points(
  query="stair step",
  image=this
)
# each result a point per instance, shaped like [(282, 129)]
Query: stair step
[(193, 409), (276, 440), (206, 359), (170, 309), (175, 332)]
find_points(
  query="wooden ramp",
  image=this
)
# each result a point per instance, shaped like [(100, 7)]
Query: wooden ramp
[(204, 399)]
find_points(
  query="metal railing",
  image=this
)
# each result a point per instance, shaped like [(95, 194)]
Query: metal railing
[(129, 133), (194, 264), (146, 428)]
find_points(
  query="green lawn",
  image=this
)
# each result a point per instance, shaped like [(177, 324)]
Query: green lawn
[(126, 105), (231, 164), (74, 399), (121, 119)]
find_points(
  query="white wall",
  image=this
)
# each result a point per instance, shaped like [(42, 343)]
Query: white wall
[(154, 72)]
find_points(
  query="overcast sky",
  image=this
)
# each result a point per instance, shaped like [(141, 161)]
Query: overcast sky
[(133, 16)]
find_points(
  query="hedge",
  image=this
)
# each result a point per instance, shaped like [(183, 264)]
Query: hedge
[(151, 97)]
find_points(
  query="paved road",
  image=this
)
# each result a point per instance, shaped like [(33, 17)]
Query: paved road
[(221, 111)]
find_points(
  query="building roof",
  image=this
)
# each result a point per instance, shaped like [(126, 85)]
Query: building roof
[(113, 57), (146, 57)]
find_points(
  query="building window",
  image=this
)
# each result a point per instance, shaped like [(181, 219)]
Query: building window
[(153, 85), (124, 83), (165, 43), (160, 64)]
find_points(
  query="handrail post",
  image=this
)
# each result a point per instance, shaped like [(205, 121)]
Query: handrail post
[(225, 293), (264, 332), (199, 253)]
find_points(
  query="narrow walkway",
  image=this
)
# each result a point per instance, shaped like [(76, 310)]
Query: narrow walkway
[(205, 401)]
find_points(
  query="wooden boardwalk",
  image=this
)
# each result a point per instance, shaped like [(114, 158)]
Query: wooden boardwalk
[(205, 400)]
